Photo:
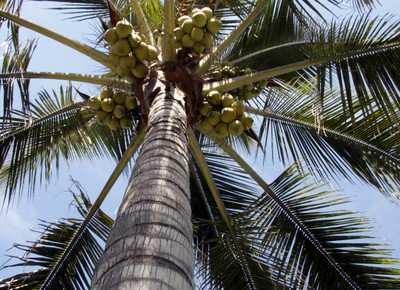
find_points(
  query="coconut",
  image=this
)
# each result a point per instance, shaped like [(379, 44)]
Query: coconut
[(141, 52), (199, 19), (124, 122), (187, 26), (228, 115), (227, 100), (94, 103), (206, 126), (197, 34), (124, 71), (213, 25), (183, 19), (195, 10), (123, 28), (214, 117), (111, 36), (238, 107), (178, 33), (127, 61), (187, 41), (113, 123), (114, 60), (214, 98), (130, 103), (106, 93), (107, 105), (152, 53), (221, 130), (119, 111), (208, 40), (178, 45), (207, 12), (205, 109), (247, 122), (139, 71), (236, 128), (199, 48), (134, 40), (119, 98), (101, 116), (120, 48)]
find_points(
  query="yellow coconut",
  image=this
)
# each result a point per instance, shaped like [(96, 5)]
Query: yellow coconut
[(130, 103), (199, 19), (197, 34), (187, 41), (120, 48), (187, 26), (123, 28), (221, 130), (111, 36), (119, 111), (141, 52), (228, 115), (227, 100), (106, 93), (119, 98), (205, 109), (139, 71), (107, 105), (94, 103), (214, 117), (125, 123), (213, 25), (236, 128), (178, 33)]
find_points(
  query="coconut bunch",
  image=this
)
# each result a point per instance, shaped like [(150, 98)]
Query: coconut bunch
[(223, 115), (244, 93), (197, 31), (112, 108), (129, 54)]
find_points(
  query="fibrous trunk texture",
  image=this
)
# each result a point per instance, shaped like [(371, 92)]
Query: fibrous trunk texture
[(150, 246)]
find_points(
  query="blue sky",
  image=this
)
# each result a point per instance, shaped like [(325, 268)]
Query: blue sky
[(53, 201)]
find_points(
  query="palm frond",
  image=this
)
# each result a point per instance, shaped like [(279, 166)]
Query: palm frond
[(44, 254), (330, 146), (16, 59)]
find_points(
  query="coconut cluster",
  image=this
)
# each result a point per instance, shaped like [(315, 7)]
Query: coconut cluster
[(223, 115), (129, 54), (112, 108), (197, 31), (244, 93)]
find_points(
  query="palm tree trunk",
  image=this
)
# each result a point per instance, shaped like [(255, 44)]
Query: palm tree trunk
[(150, 246)]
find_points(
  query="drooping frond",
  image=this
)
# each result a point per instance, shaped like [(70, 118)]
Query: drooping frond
[(44, 253)]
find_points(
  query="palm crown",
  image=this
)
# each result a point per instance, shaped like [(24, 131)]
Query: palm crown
[(325, 98)]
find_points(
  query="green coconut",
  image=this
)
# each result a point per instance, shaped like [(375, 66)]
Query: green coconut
[(205, 109), (187, 41), (236, 128), (101, 116), (114, 60), (238, 107), (94, 103), (208, 12), (119, 98), (206, 126), (228, 115), (227, 100), (134, 40), (208, 40), (141, 52), (197, 34), (124, 71), (221, 130), (113, 123), (106, 93), (125, 122), (214, 117), (199, 19), (152, 53), (107, 105), (130, 103), (139, 71), (119, 111), (178, 33), (183, 19), (127, 61), (111, 36), (195, 10), (214, 98), (199, 48), (123, 28), (247, 122), (213, 25), (187, 26), (120, 48)]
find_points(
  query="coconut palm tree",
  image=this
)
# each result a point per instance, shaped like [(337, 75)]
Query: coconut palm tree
[(181, 86)]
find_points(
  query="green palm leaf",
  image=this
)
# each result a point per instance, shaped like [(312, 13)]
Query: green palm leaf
[(44, 253)]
